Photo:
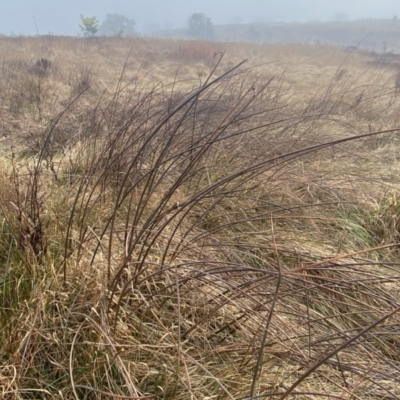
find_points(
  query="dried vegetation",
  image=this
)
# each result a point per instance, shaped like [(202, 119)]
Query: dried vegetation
[(179, 224)]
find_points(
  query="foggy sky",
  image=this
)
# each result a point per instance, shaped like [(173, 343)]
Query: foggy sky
[(61, 17)]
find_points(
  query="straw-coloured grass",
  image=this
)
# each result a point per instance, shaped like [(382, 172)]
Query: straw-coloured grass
[(223, 235)]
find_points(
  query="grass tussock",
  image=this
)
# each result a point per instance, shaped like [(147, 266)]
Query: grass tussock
[(227, 232)]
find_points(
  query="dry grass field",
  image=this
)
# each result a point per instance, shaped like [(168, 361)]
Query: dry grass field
[(189, 220)]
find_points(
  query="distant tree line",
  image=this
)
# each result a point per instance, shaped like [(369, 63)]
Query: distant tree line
[(114, 25), (200, 26)]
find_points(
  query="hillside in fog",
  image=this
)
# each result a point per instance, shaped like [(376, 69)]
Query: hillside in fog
[(380, 35)]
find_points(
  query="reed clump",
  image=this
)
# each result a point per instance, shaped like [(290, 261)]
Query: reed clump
[(220, 236)]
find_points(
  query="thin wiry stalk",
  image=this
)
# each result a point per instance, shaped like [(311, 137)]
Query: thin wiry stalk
[(257, 369), (335, 351)]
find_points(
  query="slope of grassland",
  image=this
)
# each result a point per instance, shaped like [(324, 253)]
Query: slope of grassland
[(177, 223)]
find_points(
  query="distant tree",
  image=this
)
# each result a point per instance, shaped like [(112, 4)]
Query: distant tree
[(89, 26), (395, 19), (200, 26), (117, 25)]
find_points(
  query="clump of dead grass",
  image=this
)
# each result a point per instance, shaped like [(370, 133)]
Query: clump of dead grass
[(218, 243)]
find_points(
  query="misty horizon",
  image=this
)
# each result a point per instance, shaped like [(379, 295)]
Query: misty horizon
[(30, 17)]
